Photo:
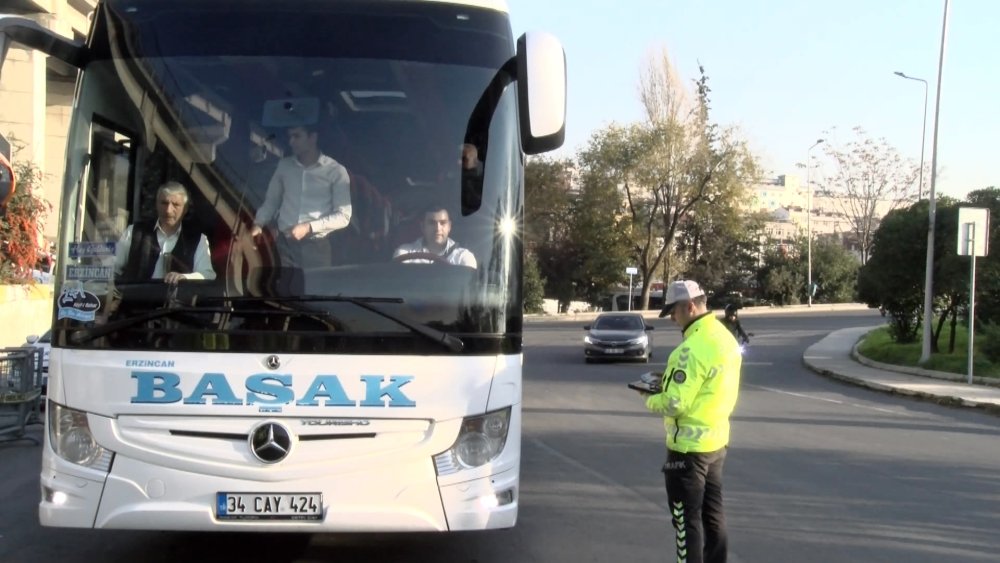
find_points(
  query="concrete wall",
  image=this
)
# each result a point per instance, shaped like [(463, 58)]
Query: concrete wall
[(24, 310)]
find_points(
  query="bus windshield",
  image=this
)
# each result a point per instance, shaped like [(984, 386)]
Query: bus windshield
[(345, 180)]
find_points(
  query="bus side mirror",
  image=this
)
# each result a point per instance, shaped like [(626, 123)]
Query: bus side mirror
[(16, 29), (541, 92)]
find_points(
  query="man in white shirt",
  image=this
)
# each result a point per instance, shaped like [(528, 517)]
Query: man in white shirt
[(309, 197), (162, 250), (435, 245)]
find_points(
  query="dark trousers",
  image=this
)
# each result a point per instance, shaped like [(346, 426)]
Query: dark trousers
[(694, 490), (308, 253)]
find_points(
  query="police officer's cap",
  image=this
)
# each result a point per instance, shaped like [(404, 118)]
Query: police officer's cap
[(680, 290)]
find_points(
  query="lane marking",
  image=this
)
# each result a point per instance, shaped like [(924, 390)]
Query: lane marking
[(826, 400)]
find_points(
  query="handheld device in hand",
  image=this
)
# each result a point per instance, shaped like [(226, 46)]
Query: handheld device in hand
[(648, 382)]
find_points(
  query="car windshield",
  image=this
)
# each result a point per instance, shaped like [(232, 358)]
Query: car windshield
[(619, 322), (408, 105)]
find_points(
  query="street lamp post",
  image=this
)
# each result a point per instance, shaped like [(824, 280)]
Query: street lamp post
[(925, 352), (809, 234), (923, 134)]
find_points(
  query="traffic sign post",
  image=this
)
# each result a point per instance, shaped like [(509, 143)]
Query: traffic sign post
[(973, 241), (631, 271)]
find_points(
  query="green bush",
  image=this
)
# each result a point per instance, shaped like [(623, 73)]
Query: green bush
[(989, 342)]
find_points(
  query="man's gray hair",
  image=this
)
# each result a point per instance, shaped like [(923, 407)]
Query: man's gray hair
[(171, 188)]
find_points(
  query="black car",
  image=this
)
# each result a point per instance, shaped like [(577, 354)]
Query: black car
[(618, 336)]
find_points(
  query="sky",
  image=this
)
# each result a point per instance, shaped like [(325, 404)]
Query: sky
[(789, 72)]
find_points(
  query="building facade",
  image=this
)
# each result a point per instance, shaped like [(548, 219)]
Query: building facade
[(36, 95), (787, 200)]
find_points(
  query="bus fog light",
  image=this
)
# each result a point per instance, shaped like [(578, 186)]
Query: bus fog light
[(502, 498), (505, 497)]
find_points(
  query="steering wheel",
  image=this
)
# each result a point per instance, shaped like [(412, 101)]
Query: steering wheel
[(435, 258)]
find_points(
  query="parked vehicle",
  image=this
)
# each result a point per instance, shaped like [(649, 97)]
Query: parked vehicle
[(618, 336)]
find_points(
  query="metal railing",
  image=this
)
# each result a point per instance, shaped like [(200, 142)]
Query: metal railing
[(20, 392)]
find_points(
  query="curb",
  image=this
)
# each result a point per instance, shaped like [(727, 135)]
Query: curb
[(945, 400), (943, 375), (909, 370)]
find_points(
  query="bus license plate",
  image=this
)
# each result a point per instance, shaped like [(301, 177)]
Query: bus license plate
[(269, 506)]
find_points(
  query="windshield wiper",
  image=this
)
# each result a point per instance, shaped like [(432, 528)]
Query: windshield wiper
[(452, 343), (92, 333)]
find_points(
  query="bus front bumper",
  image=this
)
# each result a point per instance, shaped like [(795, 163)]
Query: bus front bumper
[(404, 498)]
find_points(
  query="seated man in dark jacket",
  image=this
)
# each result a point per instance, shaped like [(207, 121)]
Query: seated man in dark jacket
[(161, 249)]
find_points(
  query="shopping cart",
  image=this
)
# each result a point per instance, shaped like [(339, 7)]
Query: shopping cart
[(20, 392)]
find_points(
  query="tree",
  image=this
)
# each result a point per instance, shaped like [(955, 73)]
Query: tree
[(722, 242), (534, 285), (891, 281), (586, 252), (988, 267), (546, 229), (19, 226), (870, 178), (835, 271), (547, 184), (666, 165), (780, 278)]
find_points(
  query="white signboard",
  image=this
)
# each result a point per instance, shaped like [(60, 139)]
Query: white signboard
[(973, 231), (631, 270)]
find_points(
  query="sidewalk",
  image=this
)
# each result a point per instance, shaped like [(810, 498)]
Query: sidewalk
[(834, 356)]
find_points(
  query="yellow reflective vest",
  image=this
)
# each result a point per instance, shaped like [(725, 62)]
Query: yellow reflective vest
[(700, 386)]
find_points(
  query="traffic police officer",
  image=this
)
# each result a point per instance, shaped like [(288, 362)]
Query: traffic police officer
[(698, 394)]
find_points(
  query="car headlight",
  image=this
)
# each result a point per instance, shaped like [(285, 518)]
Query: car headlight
[(588, 340), (71, 439), (480, 440), (641, 340)]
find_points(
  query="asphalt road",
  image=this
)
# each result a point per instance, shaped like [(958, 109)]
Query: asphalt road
[(817, 471)]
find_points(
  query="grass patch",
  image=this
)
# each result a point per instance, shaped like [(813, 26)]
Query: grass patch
[(879, 346)]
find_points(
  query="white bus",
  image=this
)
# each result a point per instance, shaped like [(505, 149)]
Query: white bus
[(368, 395), (618, 301)]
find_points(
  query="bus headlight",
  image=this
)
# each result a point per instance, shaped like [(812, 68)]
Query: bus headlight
[(480, 441), (70, 437)]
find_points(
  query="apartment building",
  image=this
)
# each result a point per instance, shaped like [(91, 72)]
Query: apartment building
[(786, 198)]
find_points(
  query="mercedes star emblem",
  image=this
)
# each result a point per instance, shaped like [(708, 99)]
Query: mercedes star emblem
[(270, 442), (272, 362)]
